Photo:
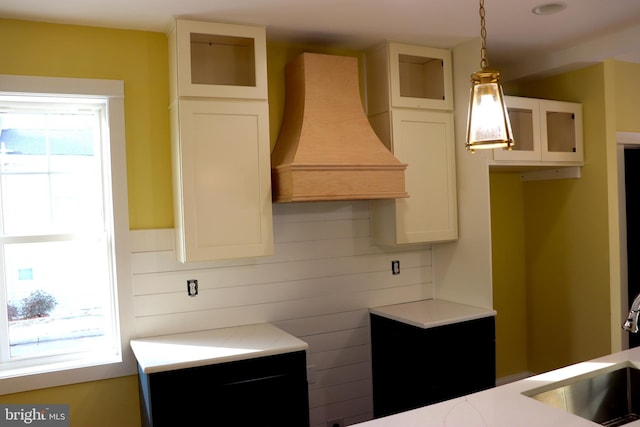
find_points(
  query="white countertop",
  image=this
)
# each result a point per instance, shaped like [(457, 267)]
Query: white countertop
[(188, 350), (431, 313), (505, 406)]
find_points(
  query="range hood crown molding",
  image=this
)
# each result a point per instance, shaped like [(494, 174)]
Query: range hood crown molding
[(327, 149)]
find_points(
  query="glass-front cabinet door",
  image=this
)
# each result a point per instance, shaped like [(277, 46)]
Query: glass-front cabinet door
[(544, 132), (420, 77), (524, 116), (561, 130), (219, 60)]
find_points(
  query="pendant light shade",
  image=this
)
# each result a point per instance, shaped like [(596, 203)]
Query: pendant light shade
[(488, 123)]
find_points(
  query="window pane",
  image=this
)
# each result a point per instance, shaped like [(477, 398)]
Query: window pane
[(51, 172), (62, 305), (76, 199), (25, 204)]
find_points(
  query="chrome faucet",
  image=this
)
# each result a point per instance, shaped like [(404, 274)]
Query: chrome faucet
[(631, 324)]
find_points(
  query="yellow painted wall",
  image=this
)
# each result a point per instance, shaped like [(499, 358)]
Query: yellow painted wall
[(509, 273), (108, 403), (627, 96), (566, 239), (140, 59), (137, 57)]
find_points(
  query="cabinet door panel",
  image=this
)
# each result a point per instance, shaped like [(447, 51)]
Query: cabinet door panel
[(225, 190), (413, 367), (261, 392), (524, 115), (424, 140), (561, 131)]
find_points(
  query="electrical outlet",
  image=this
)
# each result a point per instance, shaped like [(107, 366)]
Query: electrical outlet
[(336, 422), (192, 287), (395, 267)]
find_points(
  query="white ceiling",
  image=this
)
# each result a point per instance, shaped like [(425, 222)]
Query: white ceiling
[(585, 31)]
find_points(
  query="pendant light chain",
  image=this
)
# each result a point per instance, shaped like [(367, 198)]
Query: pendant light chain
[(484, 61), (488, 124)]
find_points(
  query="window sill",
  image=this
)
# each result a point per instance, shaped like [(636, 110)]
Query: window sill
[(19, 379)]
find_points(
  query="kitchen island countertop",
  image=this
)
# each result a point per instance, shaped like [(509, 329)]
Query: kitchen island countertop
[(506, 406)]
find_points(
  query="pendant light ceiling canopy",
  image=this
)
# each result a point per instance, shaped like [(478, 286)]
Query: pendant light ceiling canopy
[(488, 122)]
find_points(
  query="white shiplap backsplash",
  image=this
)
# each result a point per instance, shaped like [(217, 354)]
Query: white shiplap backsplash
[(324, 275)]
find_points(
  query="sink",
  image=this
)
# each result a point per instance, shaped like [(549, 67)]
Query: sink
[(608, 396)]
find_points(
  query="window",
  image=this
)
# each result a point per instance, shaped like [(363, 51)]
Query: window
[(63, 227)]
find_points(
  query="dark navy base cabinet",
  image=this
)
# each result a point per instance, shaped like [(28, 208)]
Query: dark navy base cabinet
[(414, 367), (262, 392)]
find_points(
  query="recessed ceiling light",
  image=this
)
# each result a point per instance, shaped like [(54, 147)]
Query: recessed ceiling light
[(549, 8)]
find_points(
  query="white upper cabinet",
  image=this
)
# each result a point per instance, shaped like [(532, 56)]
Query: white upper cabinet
[(220, 141), (409, 105), (219, 60), (415, 77), (545, 132)]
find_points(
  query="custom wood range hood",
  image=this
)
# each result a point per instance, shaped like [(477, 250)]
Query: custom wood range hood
[(326, 149)]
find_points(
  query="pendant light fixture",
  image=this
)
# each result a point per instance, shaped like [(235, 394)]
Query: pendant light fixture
[(488, 122)]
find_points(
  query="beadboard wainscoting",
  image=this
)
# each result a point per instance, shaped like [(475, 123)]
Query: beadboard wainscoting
[(324, 275)]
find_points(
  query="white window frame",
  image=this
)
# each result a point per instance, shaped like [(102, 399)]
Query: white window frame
[(88, 370)]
